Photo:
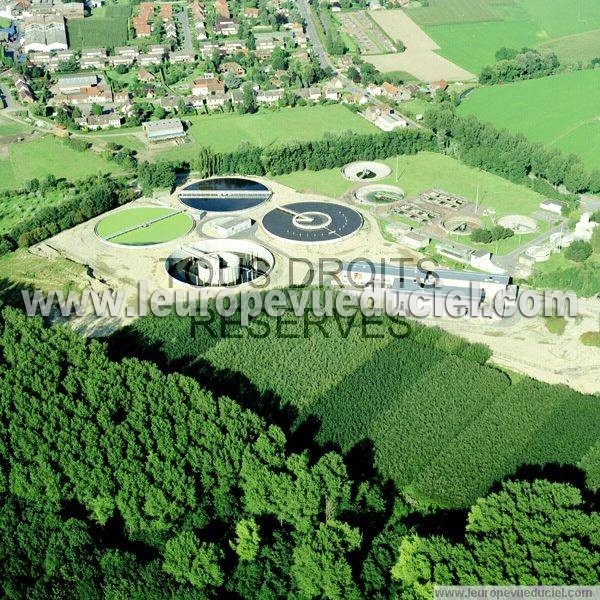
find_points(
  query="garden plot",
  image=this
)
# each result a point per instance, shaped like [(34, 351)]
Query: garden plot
[(367, 34)]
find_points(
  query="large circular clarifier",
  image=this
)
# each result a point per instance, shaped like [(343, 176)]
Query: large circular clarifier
[(312, 222), (224, 194)]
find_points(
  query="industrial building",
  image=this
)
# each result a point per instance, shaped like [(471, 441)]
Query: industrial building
[(44, 33), (403, 280), (164, 129)]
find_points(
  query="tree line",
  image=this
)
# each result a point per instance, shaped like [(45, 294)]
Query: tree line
[(514, 65)]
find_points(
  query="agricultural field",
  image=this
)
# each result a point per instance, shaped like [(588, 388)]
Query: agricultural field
[(562, 111), (470, 33), (48, 155), (423, 171), (107, 27), (443, 425), (225, 132), (420, 58)]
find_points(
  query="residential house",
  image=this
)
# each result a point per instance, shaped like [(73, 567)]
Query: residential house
[(266, 42), (145, 76), (182, 56), (216, 100), (232, 46), (436, 86), (107, 121), (232, 67), (205, 86), (269, 96), (171, 31), (226, 27), (251, 13), (150, 59), (207, 48), (93, 58)]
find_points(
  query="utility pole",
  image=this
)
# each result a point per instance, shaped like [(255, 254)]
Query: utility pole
[(477, 200), (397, 167)]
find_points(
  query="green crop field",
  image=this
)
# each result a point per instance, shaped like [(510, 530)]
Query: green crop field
[(423, 171), (225, 132), (444, 427), (48, 156), (470, 33), (107, 28), (154, 225), (444, 12), (562, 111)]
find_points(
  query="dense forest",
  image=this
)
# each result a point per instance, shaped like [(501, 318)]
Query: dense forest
[(119, 480)]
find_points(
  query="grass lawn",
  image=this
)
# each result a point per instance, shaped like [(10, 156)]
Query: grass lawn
[(48, 155), (225, 132), (153, 227), (424, 171), (562, 111), (470, 33), (8, 127)]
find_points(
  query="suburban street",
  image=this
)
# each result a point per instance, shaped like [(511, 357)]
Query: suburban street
[(326, 62), (184, 21)]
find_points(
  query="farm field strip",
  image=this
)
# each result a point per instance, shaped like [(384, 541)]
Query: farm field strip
[(419, 58), (469, 39)]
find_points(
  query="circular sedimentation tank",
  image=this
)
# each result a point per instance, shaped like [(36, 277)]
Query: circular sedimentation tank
[(219, 263), (365, 170), (312, 222), (538, 253), (462, 225), (518, 223), (224, 194), (143, 226), (379, 194)]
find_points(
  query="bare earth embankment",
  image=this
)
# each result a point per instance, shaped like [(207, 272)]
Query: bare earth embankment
[(419, 58)]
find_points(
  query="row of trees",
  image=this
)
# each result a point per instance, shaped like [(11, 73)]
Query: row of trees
[(330, 152), (514, 65), (509, 155), (120, 481)]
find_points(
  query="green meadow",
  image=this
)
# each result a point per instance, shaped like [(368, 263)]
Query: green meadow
[(225, 132), (562, 111), (45, 156), (470, 33), (423, 171)]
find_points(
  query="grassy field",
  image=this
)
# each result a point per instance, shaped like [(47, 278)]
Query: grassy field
[(8, 127), (225, 132), (48, 156), (469, 35), (562, 111), (424, 171), (152, 226), (105, 28), (444, 12), (578, 48)]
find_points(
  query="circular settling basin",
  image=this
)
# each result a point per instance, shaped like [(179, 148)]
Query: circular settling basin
[(224, 194), (519, 223), (312, 222), (143, 226), (365, 170), (379, 194), (462, 225)]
